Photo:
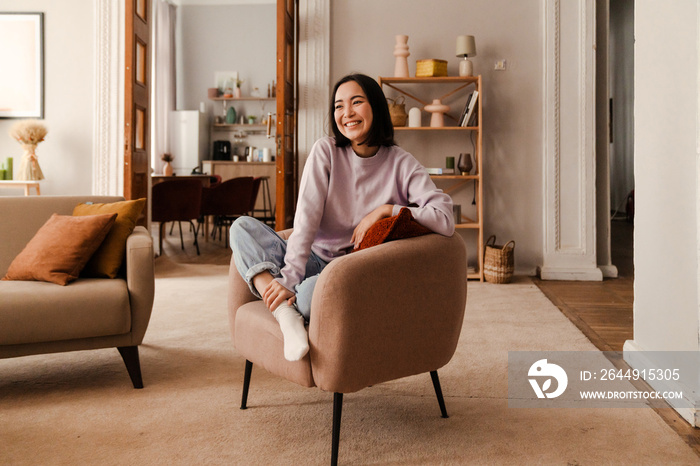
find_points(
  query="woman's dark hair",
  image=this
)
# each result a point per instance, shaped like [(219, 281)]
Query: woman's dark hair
[(382, 131)]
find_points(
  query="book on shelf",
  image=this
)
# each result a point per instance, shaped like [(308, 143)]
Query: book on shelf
[(465, 109), (434, 171), (471, 104), (474, 120)]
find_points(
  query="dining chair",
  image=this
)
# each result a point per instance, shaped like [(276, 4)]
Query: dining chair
[(226, 202), (176, 200)]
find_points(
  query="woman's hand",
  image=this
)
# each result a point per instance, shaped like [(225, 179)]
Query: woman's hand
[(275, 294), (370, 219)]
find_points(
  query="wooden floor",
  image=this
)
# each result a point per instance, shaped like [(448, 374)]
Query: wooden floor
[(603, 311)]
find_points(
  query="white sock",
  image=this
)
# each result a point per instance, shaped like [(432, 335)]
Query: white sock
[(296, 340)]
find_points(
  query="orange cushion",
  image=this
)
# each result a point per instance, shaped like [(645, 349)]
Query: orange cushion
[(393, 228), (108, 259), (60, 249)]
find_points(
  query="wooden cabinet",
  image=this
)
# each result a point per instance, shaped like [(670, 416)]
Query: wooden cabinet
[(454, 85)]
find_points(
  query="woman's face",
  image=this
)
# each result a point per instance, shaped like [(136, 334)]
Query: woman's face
[(353, 113)]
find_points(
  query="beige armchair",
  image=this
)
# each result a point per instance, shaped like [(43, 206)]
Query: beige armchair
[(379, 314)]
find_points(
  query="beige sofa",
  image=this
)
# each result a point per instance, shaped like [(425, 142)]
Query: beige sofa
[(89, 313)]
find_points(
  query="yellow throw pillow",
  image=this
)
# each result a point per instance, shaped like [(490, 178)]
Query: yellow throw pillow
[(108, 259), (60, 249)]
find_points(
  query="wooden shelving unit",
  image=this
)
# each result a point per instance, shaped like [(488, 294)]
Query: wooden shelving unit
[(233, 99), (239, 127), (245, 128), (461, 84)]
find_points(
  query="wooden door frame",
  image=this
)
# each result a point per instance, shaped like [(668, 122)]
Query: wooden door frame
[(108, 123)]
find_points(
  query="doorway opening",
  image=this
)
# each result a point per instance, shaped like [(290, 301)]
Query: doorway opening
[(621, 143)]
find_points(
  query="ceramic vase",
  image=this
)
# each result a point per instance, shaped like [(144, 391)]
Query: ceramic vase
[(437, 110), (231, 116), (167, 169), (401, 53), (465, 163), (414, 118)]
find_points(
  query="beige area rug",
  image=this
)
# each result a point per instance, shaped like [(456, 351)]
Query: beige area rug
[(79, 408)]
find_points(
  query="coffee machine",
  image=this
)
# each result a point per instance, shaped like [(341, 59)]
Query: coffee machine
[(222, 150)]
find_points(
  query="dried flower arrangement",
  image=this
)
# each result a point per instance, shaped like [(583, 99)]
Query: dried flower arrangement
[(167, 157), (29, 133)]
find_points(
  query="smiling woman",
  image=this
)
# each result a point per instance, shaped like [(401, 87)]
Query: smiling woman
[(349, 183), (358, 101)]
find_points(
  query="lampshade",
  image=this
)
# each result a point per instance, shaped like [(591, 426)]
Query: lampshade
[(466, 46)]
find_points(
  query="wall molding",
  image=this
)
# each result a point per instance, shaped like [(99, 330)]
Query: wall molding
[(314, 74), (688, 406), (106, 154), (569, 159)]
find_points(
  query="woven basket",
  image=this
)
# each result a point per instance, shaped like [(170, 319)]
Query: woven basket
[(397, 111), (498, 261)]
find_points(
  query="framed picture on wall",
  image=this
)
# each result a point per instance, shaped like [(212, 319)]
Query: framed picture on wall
[(22, 58)]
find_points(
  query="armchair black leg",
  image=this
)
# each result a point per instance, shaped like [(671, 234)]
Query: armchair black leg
[(337, 412), (130, 355), (438, 392), (246, 383)]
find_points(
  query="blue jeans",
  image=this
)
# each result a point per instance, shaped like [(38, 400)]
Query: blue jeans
[(257, 247)]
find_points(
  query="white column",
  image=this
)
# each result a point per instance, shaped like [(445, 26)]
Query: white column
[(108, 154), (314, 70), (569, 178)]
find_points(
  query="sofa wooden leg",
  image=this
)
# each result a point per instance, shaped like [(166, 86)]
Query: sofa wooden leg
[(246, 383), (130, 355), (337, 412), (438, 392)]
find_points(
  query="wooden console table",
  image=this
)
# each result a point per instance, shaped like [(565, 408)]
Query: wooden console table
[(27, 185)]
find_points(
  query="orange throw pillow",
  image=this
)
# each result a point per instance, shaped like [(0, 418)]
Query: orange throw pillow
[(393, 228), (108, 259), (60, 249)]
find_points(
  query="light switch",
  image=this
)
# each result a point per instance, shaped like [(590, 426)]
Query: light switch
[(500, 65)]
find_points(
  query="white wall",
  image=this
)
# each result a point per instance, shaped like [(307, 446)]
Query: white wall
[(666, 175), (66, 154), (238, 38), (362, 39), (224, 38)]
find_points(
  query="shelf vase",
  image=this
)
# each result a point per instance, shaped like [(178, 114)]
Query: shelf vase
[(167, 169), (230, 116), (437, 110), (465, 164), (401, 53)]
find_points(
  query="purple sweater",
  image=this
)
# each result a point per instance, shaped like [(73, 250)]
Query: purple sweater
[(339, 188)]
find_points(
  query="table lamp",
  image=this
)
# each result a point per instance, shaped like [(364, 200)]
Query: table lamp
[(466, 47)]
